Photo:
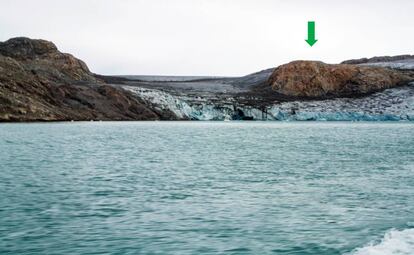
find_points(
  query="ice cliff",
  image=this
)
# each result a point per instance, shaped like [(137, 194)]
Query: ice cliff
[(390, 104)]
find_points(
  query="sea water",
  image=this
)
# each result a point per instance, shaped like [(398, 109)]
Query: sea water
[(207, 188)]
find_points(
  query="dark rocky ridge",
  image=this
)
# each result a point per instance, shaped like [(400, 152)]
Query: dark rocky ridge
[(378, 59), (39, 83)]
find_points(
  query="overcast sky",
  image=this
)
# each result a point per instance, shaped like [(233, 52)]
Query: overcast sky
[(211, 37)]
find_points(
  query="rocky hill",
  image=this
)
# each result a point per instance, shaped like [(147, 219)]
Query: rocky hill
[(39, 83), (312, 79)]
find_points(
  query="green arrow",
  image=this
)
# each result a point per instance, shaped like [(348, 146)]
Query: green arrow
[(311, 33)]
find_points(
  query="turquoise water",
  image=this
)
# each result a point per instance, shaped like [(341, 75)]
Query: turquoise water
[(207, 188)]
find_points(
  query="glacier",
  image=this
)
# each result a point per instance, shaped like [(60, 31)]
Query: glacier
[(396, 104)]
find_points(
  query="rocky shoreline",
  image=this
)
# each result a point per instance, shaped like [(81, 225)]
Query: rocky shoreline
[(39, 83)]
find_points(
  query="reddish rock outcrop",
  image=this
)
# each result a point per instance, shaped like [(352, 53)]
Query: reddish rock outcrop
[(311, 79), (39, 83)]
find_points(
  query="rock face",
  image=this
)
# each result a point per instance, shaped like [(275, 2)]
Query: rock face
[(39, 83), (310, 79)]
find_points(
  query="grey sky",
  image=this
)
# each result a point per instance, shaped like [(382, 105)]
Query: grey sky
[(210, 37)]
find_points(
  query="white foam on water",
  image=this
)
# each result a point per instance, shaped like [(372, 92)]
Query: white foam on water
[(394, 242)]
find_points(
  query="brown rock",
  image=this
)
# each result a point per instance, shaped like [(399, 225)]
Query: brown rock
[(313, 79), (23, 48), (39, 83)]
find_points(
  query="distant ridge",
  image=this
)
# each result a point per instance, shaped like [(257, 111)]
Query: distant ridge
[(378, 59)]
